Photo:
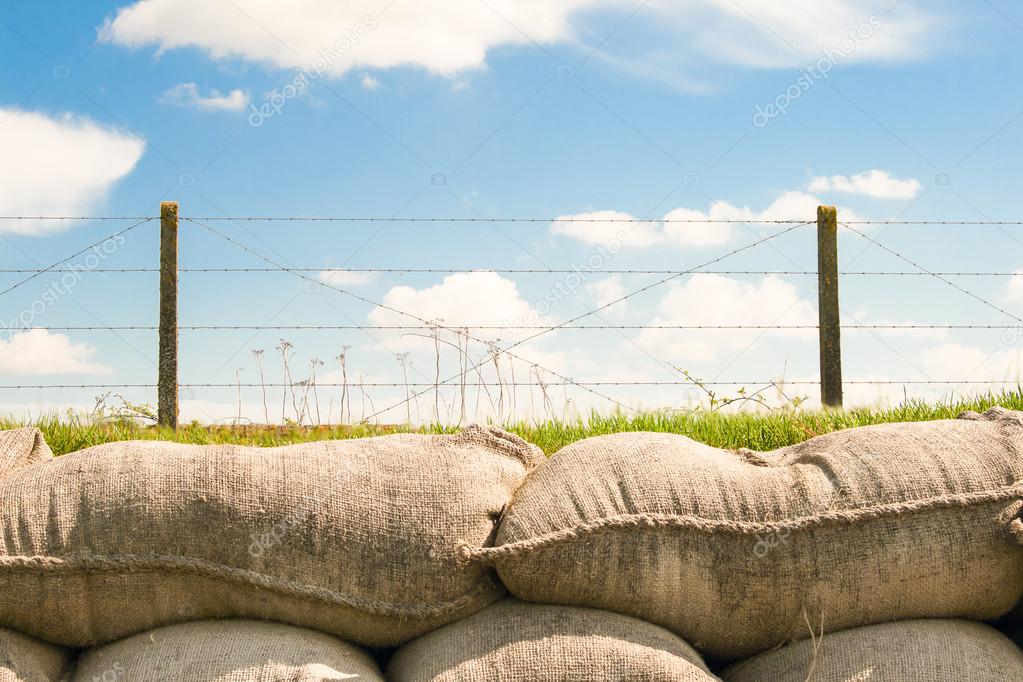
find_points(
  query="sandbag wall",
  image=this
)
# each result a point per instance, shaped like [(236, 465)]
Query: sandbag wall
[(867, 554)]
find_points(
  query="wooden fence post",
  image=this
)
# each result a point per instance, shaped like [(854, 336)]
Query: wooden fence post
[(827, 301), (167, 384)]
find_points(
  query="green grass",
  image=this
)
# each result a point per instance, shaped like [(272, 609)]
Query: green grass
[(757, 431)]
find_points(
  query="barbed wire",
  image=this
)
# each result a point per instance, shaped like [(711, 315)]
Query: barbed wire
[(494, 327), (579, 384), (922, 269), (403, 314), (477, 219), (76, 217), (546, 271), (74, 255)]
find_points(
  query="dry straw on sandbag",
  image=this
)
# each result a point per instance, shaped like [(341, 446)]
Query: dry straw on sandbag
[(227, 651), (23, 659), (513, 641), (355, 538), (916, 650), (735, 551)]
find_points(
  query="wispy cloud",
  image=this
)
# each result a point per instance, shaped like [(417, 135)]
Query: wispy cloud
[(188, 95)]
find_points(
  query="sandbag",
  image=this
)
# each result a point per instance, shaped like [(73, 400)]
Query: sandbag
[(23, 659), (907, 651), (356, 538), (22, 447), (227, 651), (734, 551), (513, 641)]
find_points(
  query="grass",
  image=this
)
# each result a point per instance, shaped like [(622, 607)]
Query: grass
[(757, 431)]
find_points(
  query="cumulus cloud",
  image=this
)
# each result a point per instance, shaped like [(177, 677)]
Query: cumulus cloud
[(456, 35), (369, 82), (692, 229), (956, 361), (349, 278), (61, 165), (717, 300), (872, 183), (461, 299), (38, 352), (188, 95)]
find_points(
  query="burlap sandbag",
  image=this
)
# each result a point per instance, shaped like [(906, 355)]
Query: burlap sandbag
[(735, 551), (22, 447), (906, 651), (23, 659), (227, 651), (513, 641), (356, 538)]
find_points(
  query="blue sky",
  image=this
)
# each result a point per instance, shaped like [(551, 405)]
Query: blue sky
[(466, 109)]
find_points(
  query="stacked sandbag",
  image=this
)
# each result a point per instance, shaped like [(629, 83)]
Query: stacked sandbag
[(513, 641), (24, 659), (227, 651), (907, 651), (355, 538), (736, 552)]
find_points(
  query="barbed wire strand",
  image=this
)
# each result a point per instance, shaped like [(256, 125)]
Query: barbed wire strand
[(565, 219), (546, 271), (74, 255), (484, 327), (580, 384)]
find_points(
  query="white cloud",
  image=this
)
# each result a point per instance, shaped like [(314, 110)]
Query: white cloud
[(369, 82), (58, 166), (188, 95), (607, 227), (341, 278), (695, 228), (461, 299), (873, 183), (771, 34), (336, 37), (717, 300), (956, 361), (456, 35), (38, 352)]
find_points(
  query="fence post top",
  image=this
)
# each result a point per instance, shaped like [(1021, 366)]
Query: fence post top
[(168, 207), (826, 212)]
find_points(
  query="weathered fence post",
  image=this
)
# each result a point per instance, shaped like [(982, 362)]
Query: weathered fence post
[(827, 301), (167, 384)]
